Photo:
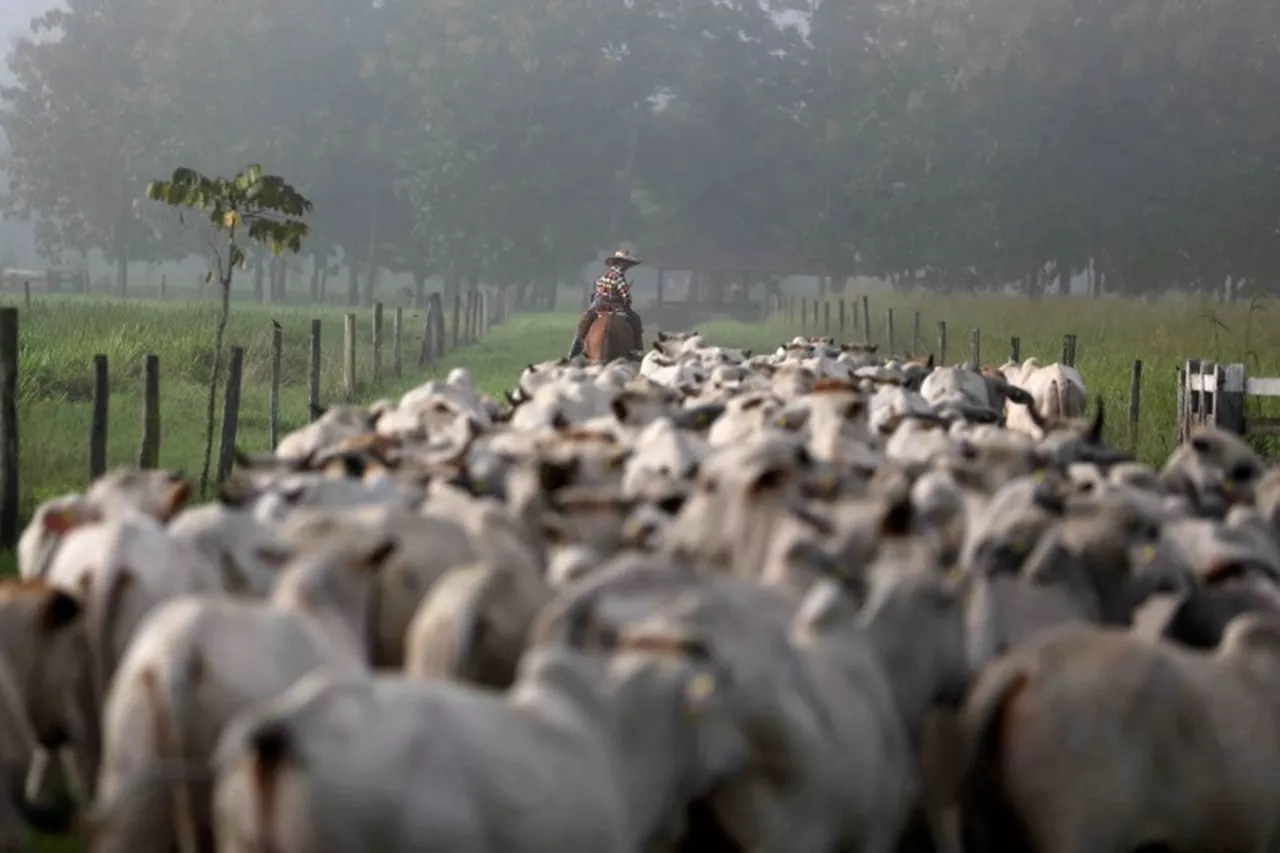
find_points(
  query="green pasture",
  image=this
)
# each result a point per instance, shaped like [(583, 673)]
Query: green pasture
[(60, 336)]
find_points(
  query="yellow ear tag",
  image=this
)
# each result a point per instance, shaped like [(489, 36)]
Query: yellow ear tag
[(1227, 487), (1038, 476), (700, 688), (1148, 553), (479, 485), (700, 419), (1019, 547)]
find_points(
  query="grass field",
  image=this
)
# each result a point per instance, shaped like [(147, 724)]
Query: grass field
[(59, 337)]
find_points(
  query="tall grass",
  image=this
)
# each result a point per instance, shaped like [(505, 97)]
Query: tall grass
[(59, 337)]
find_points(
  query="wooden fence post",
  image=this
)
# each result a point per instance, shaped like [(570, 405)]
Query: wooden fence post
[(826, 318), (866, 320), (975, 348), (841, 318), (98, 427), (1015, 349), (26, 295), (9, 529), (397, 341), (349, 356), (313, 374), (230, 414), (815, 315), (1065, 360), (149, 453), (888, 330), (915, 334), (942, 343), (1135, 404), (377, 342), (277, 353)]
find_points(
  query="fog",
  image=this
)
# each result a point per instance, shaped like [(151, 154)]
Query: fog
[(961, 145)]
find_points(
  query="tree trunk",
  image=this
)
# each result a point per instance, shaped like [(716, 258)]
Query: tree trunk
[(122, 240), (353, 284), (419, 286), (219, 333), (316, 262), (371, 263), (122, 273), (258, 273), (282, 280), (273, 272)]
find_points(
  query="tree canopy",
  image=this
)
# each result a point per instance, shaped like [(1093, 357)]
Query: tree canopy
[(942, 143)]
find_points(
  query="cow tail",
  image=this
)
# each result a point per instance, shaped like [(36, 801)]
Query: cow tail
[(166, 718), (988, 822)]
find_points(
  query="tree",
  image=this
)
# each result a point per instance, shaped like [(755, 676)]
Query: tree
[(85, 112), (250, 208)]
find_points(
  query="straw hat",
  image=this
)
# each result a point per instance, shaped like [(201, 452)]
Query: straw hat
[(622, 258)]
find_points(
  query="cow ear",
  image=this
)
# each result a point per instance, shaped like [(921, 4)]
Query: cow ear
[(855, 409), (58, 610), (1095, 428), (176, 497), (378, 556), (930, 362), (618, 405), (553, 476), (60, 521), (1018, 395), (898, 517), (769, 480)]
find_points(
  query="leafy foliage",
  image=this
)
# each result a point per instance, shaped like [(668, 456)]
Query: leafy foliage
[(945, 143), (265, 208)]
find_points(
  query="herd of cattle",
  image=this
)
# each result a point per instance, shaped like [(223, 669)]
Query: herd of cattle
[(803, 602)]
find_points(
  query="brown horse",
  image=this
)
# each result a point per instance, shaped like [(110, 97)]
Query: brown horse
[(610, 336)]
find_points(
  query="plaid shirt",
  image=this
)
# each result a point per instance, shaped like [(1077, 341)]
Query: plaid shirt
[(613, 289)]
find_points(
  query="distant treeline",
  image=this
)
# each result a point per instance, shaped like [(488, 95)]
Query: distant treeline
[(949, 144)]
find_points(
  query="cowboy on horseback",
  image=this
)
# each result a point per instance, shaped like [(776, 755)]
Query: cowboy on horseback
[(612, 293)]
